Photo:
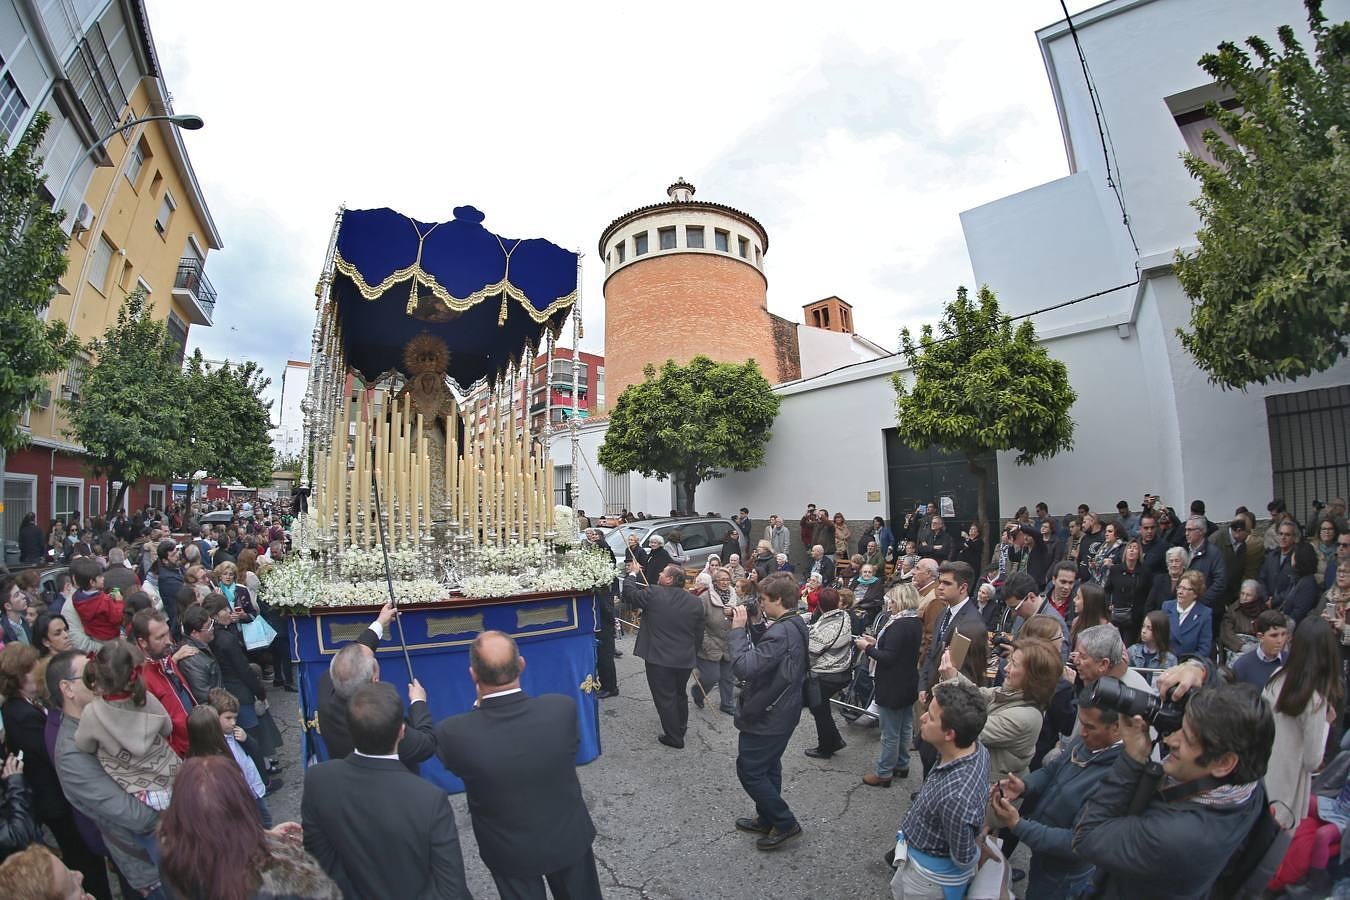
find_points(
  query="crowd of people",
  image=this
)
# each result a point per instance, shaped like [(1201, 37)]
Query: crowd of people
[(1004, 667), (1152, 705), (149, 651)]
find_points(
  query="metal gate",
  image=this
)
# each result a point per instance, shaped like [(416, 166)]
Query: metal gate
[(616, 492), (1309, 446), (917, 476)]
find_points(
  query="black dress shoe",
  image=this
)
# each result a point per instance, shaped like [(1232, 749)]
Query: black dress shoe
[(605, 695), (698, 700), (753, 824), (817, 753), (670, 742), (618, 654), (290, 688), (775, 838)]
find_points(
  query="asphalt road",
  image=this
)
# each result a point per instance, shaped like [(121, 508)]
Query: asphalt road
[(665, 817)]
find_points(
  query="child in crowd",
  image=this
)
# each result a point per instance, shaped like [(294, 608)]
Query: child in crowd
[(1256, 666), (127, 728), (100, 613), (212, 729), (1156, 633)]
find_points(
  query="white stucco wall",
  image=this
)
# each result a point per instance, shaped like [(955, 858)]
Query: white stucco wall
[(821, 351), (1141, 53)]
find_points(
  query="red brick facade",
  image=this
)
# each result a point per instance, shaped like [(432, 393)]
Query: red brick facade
[(677, 306)]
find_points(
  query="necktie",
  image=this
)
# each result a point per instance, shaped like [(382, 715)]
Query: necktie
[(942, 628)]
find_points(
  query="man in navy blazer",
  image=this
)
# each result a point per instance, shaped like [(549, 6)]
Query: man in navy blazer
[(516, 755), (377, 829), (953, 590)]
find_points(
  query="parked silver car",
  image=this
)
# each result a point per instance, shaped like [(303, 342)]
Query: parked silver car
[(700, 537)]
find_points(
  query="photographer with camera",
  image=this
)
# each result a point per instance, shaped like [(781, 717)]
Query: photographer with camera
[(773, 670), (1025, 601), (1176, 829), (1051, 800)]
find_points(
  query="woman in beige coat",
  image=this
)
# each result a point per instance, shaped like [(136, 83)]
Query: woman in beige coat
[(1305, 695), (1017, 708), (714, 658)]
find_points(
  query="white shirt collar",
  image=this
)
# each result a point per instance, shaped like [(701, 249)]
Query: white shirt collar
[(479, 701), (1261, 656), (957, 608), (393, 756)]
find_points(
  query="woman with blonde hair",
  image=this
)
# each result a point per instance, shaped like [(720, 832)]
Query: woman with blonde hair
[(893, 661), (841, 536)]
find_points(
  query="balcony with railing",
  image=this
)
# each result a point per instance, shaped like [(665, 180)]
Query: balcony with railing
[(193, 287)]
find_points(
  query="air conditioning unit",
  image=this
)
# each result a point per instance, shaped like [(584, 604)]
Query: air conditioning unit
[(43, 400), (84, 219)]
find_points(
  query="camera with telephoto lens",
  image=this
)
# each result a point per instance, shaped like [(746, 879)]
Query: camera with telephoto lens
[(1162, 712)]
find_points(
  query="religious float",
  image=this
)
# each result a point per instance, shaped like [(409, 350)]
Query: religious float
[(423, 483)]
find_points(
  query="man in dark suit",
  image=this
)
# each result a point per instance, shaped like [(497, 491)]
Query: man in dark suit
[(354, 666), (377, 829), (669, 640), (953, 590), (517, 757), (822, 563), (1277, 570)]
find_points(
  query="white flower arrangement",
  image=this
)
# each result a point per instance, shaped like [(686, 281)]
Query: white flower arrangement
[(358, 563), (565, 524), (490, 586), (512, 560), (297, 584), (581, 572)]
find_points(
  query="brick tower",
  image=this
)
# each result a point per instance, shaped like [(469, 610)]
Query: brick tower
[(686, 277)]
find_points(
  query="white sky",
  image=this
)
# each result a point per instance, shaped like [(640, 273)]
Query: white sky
[(856, 133)]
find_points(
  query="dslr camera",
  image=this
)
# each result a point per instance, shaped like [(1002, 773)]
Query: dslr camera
[(1164, 712)]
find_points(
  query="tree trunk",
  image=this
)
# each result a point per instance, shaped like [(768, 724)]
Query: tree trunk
[(117, 501), (981, 508), (690, 485)]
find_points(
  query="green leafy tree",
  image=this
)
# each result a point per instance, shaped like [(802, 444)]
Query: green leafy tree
[(242, 419), (983, 385), (690, 423), (1270, 284), (227, 433), (32, 259), (130, 416)]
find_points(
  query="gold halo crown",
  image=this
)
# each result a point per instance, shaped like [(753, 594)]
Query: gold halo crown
[(426, 354)]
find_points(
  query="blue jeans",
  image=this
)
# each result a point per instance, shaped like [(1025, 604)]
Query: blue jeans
[(759, 766), (895, 739), (1043, 885)]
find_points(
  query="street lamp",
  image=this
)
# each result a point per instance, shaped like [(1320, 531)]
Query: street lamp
[(187, 122)]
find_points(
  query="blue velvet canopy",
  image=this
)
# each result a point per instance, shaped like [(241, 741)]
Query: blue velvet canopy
[(490, 298)]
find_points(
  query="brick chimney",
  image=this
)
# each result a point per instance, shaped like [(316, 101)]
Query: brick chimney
[(830, 314)]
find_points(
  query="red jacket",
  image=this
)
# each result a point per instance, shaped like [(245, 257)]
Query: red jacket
[(157, 683), (100, 614)]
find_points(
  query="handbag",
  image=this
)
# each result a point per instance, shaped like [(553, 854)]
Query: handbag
[(257, 634), (811, 695)]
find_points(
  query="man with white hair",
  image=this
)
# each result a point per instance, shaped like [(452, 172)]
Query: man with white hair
[(822, 563), (1208, 561), (1100, 651), (353, 666), (776, 533), (119, 575)]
